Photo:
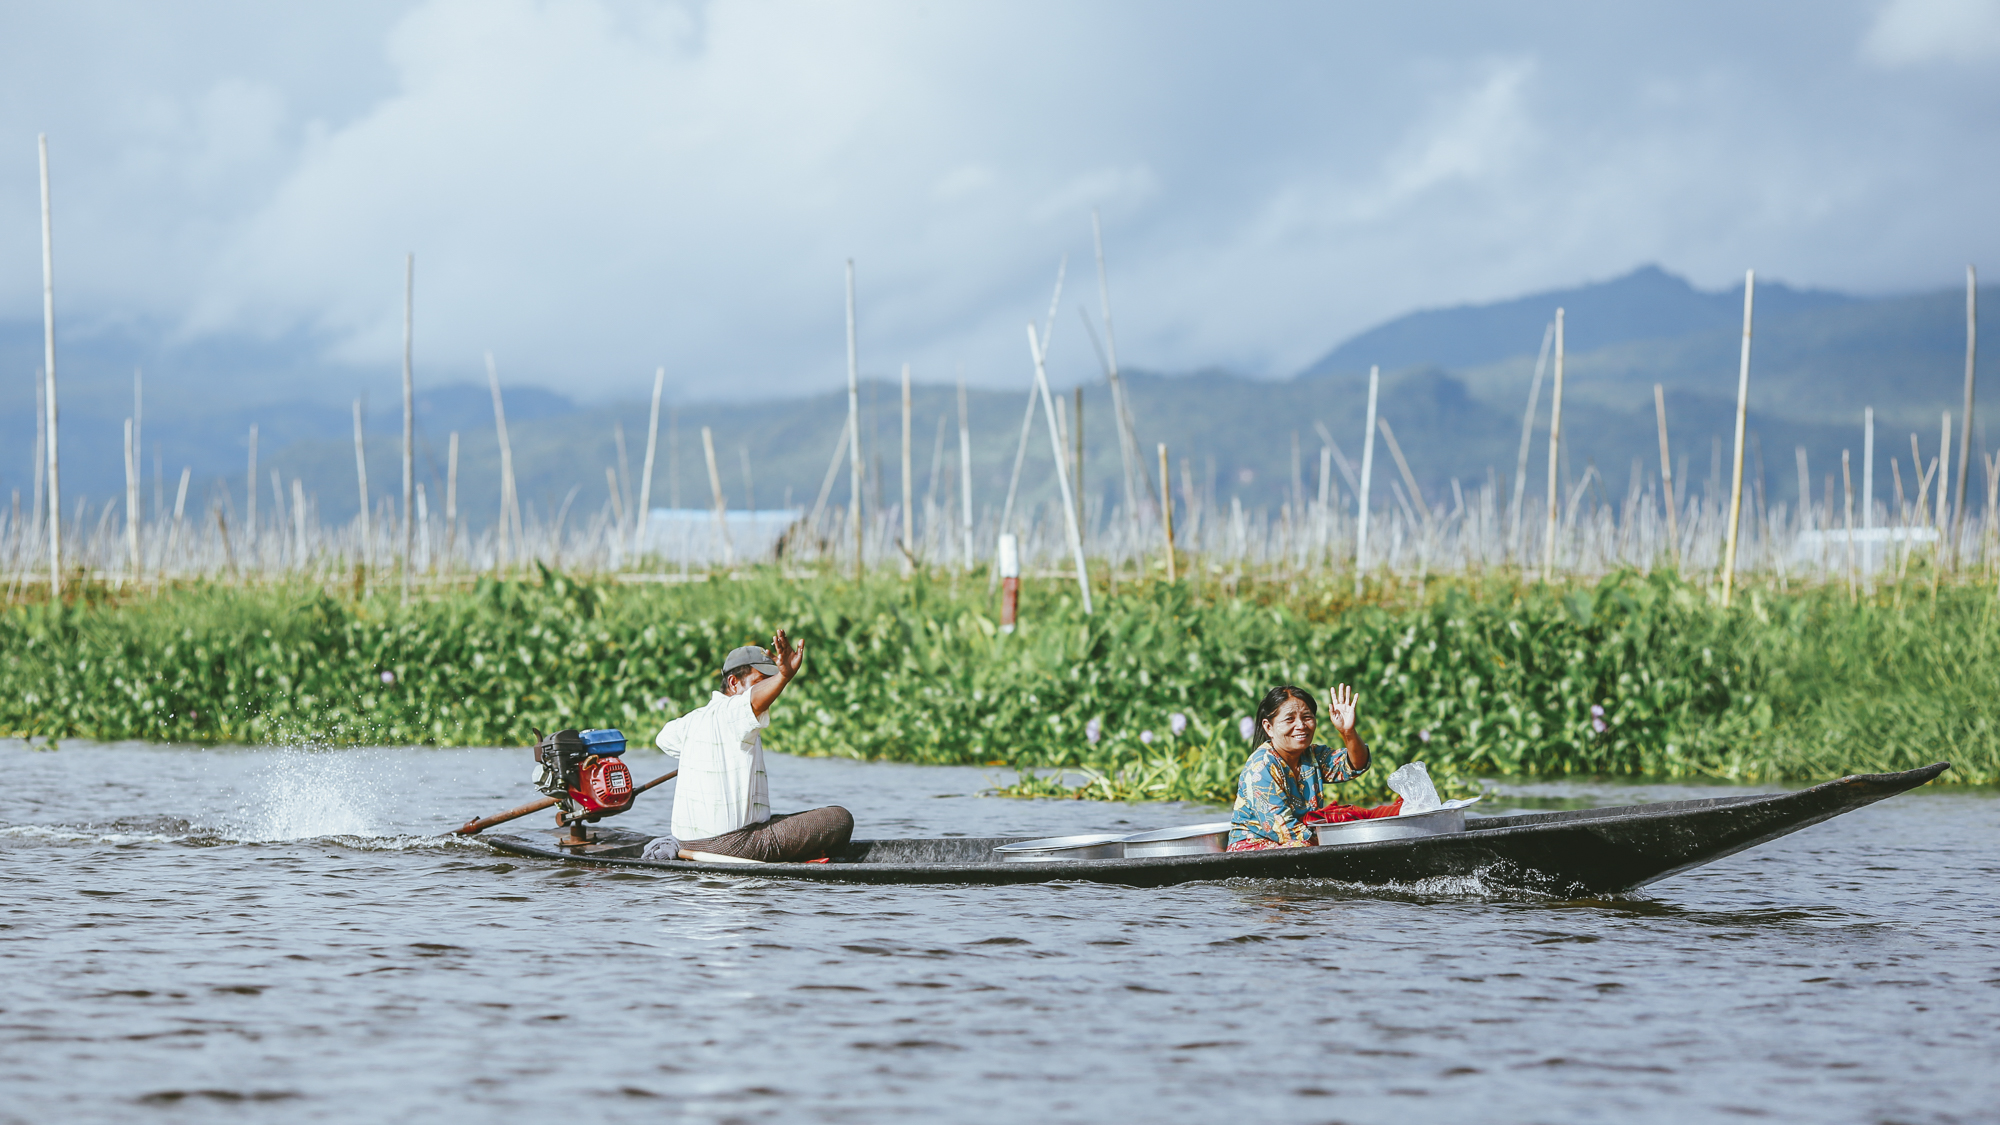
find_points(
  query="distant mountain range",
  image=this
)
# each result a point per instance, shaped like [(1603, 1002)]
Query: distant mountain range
[(1455, 382)]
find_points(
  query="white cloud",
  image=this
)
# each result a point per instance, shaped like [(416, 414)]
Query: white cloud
[(1909, 32), (594, 187)]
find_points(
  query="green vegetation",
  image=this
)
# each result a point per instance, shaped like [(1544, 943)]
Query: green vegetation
[(1632, 675)]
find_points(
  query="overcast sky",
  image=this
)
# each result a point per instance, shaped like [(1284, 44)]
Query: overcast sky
[(596, 188)]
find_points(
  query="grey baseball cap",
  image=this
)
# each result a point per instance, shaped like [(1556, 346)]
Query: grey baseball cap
[(749, 656)]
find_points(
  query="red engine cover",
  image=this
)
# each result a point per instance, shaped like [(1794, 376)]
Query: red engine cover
[(604, 784)]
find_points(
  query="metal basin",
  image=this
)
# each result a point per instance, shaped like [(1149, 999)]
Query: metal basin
[(1098, 846), (1437, 822), (1188, 839)]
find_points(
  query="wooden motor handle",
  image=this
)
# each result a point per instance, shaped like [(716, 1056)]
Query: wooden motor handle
[(475, 827)]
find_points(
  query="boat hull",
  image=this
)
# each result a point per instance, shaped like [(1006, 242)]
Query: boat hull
[(1573, 854)]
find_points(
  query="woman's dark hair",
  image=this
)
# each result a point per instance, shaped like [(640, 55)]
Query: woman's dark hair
[(1268, 710)]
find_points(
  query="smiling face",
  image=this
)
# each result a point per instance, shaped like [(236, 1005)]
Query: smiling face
[(1291, 729)]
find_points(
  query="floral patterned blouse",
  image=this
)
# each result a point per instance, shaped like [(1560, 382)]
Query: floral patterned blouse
[(1271, 796)]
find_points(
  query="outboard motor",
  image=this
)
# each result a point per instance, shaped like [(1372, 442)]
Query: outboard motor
[(582, 771)]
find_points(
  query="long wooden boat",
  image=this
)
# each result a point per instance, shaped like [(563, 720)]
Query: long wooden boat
[(1572, 853)]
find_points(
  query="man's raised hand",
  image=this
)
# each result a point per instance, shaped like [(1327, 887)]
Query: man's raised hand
[(789, 658)]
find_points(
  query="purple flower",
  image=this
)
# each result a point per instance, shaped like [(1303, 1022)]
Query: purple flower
[(1146, 737), (661, 703), (1246, 728), (1177, 723), (388, 677), (1423, 736), (1093, 730), (1597, 710), (1598, 726)]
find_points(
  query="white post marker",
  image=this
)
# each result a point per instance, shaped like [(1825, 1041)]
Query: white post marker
[(1010, 580)]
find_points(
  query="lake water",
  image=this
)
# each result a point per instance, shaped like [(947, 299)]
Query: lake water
[(272, 935)]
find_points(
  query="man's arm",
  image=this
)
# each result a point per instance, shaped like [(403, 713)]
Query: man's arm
[(789, 659)]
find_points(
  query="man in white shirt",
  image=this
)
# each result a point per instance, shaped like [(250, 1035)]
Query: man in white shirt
[(722, 803)]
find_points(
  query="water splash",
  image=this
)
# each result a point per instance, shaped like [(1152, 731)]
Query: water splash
[(306, 794)]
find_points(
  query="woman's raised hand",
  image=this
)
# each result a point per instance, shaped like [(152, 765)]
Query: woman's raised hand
[(1340, 708)]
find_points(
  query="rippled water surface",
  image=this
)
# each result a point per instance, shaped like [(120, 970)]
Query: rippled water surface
[(267, 935)]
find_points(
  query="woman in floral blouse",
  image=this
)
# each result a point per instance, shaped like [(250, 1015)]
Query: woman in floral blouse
[(1290, 775)]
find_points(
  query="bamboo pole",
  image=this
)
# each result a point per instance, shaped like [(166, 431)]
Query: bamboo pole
[(132, 498), (1128, 444), (510, 508), (1667, 474), (715, 490), (1028, 415), (646, 474), (853, 426), (1076, 436), (1527, 440), (361, 480), (1965, 418), (250, 499), (749, 482), (299, 520), (49, 378), (451, 501), (909, 492), (1403, 467), (1167, 513), (965, 474), (1367, 479), (1062, 475), (1555, 453), (1868, 493), (832, 474), (1847, 492), (409, 422), (1736, 471), (1943, 474)]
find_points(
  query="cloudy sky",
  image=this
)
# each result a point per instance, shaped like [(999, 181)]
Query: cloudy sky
[(596, 187)]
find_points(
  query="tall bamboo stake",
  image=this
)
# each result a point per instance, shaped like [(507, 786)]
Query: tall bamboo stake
[(909, 492), (1077, 440), (646, 474), (1403, 467), (1868, 492), (1736, 471), (299, 520), (1128, 445), (721, 504), (361, 481), (1847, 492), (965, 474), (49, 378), (1555, 453), (1062, 475), (1965, 418), (451, 500), (1667, 473), (853, 426), (1028, 415), (250, 498), (409, 423), (1167, 512), (1527, 440), (832, 474), (509, 504), (1943, 469), (132, 497), (1367, 479)]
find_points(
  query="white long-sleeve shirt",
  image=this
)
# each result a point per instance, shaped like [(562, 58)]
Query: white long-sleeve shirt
[(721, 786)]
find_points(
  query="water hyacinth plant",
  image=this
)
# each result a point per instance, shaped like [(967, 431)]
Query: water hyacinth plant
[(1630, 675)]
